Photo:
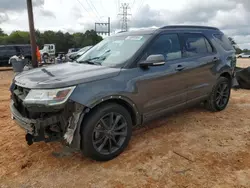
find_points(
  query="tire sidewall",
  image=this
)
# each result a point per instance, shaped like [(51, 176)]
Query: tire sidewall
[(220, 81), (89, 124)]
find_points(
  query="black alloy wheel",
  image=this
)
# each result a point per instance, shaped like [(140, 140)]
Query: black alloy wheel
[(222, 95), (110, 133), (106, 132)]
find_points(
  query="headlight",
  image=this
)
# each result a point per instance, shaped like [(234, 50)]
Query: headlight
[(48, 97)]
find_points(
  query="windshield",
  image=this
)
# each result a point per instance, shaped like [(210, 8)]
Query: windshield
[(113, 51)]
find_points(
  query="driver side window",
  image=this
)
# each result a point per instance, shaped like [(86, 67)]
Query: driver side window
[(167, 45)]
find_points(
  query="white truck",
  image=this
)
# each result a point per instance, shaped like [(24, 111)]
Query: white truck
[(48, 52)]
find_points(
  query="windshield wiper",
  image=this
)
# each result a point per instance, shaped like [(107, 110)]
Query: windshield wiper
[(89, 62)]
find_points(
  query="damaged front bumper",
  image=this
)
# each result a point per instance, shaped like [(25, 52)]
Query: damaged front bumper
[(54, 127)]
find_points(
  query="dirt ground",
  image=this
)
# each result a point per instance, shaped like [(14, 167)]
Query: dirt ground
[(194, 148)]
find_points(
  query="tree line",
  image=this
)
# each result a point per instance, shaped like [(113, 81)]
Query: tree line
[(63, 41)]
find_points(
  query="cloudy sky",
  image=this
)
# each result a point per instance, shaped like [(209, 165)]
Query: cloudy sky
[(232, 16)]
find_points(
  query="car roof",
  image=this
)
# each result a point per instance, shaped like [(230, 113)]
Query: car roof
[(164, 28)]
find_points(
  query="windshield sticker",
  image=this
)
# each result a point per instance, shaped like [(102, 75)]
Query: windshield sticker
[(134, 38)]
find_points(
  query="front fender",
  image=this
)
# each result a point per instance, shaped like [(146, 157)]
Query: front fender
[(94, 93)]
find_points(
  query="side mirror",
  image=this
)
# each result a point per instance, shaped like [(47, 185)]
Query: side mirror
[(153, 60)]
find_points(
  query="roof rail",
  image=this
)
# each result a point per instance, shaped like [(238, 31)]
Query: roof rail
[(121, 31), (188, 26)]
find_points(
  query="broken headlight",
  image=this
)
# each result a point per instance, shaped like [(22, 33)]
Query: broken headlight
[(48, 97)]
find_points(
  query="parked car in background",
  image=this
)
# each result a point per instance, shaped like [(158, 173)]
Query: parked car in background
[(122, 82), (8, 51), (75, 55), (71, 50), (244, 55)]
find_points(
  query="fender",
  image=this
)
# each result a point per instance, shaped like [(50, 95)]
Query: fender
[(94, 101), (75, 134)]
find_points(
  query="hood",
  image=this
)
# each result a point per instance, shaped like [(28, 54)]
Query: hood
[(63, 75)]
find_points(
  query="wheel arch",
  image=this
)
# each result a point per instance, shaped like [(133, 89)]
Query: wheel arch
[(227, 75), (123, 101)]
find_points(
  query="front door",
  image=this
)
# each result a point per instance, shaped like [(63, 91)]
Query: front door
[(164, 87)]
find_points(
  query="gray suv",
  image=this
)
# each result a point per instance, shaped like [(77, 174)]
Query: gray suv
[(93, 103)]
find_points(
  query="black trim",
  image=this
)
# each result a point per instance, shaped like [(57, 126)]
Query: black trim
[(188, 27)]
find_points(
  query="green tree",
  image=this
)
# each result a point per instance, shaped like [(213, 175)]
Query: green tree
[(2, 33), (18, 37), (63, 41)]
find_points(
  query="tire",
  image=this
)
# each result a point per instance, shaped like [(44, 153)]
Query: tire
[(98, 135), (45, 58), (217, 94)]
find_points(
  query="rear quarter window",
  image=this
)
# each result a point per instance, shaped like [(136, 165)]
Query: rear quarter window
[(223, 41)]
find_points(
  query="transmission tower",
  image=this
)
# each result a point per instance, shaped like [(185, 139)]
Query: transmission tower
[(125, 7)]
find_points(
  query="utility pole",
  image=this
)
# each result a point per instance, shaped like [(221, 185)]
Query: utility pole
[(107, 29), (32, 33), (124, 14)]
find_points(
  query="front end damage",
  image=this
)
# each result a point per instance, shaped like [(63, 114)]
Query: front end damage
[(43, 123)]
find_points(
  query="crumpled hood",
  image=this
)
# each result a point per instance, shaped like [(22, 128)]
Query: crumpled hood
[(63, 75)]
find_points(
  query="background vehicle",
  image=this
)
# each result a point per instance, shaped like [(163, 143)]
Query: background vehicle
[(8, 51), (244, 55), (75, 55), (48, 52), (73, 50), (122, 82)]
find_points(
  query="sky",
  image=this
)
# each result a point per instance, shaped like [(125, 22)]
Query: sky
[(231, 16)]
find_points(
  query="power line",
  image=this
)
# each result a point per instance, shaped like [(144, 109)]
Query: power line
[(133, 4), (140, 6), (104, 8), (84, 7), (93, 8)]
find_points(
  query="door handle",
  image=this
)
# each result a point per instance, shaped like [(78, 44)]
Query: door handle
[(179, 67), (215, 59)]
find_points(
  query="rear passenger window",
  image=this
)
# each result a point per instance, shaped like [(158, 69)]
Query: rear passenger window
[(224, 41), (195, 44)]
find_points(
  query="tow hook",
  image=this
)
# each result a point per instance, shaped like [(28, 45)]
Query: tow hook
[(29, 139)]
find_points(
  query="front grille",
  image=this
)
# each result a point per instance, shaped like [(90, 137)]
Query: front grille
[(18, 96)]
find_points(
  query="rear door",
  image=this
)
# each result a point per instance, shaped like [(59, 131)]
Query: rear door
[(200, 59)]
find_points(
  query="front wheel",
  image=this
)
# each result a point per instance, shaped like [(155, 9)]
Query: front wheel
[(106, 132), (220, 95)]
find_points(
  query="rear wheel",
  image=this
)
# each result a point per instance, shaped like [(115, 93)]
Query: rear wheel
[(220, 95), (106, 132)]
